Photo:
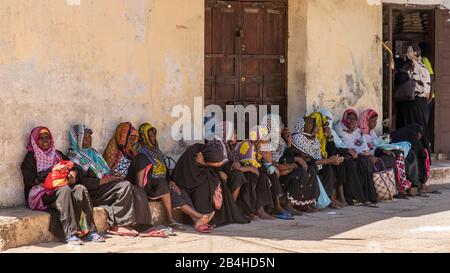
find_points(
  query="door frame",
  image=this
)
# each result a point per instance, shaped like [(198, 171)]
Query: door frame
[(391, 7)]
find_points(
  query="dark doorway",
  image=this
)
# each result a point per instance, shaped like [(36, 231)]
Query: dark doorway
[(405, 25), (245, 53)]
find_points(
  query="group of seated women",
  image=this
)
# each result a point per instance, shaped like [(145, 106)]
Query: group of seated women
[(223, 181)]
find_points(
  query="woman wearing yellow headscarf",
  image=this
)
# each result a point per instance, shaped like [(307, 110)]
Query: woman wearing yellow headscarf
[(150, 172)]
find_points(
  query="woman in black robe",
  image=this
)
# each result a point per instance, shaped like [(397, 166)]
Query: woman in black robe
[(195, 174), (65, 204), (411, 112), (124, 204), (150, 172), (418, 160)]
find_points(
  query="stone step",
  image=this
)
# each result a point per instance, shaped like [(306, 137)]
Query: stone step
[(21, 226)]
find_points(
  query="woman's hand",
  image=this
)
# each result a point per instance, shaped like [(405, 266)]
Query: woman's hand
[(223, 176), (236, 167), (302, 163), (254, 170), (174, 187), (200, 159), (353, 153), (335, 160), (72, 178), (287, 136)]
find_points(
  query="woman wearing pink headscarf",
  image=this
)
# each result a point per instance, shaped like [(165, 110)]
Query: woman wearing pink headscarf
[(66, 203)]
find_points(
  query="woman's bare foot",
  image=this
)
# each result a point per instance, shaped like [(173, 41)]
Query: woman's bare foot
[(205, 219), (254, 217), (264, 216)]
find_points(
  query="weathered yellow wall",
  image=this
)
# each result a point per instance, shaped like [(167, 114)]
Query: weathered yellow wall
[(107, 61), (100, 63), (342, 59)]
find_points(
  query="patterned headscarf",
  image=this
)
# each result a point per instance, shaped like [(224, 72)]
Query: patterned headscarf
[(330, 117), (44, 159), (274, 127), (120, 146), (152, 150), (320, 133), (247, 154), (300, 141), (364, 120), (87, 158), (346, 114)]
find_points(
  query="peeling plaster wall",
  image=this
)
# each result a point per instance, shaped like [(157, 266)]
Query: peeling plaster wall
[(344, 58), (98, 62), (334, 58)]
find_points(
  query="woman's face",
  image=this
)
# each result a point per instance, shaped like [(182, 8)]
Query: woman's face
[(152, 136), (352, 121), (87, 140), (373, 122), (44, 141)]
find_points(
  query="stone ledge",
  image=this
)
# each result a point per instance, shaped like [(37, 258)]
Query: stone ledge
[(22, 226)]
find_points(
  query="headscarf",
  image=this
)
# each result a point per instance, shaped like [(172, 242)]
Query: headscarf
[(345, 116), (247, 154), (274, 127), (44, 159), (87, 158), (330, 117), (120, 146), (320, 133), (352, 139), (364, 120), (213, 152), (152, 150), (311, 147)]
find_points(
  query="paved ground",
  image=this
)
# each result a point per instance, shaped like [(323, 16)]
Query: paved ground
[(415, 225)]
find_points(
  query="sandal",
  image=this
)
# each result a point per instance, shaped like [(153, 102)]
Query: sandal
[(74, 241), (283, 216), (156, 233), (176, 226), (435, 192), (370, 205), (95, 238), (204, 229)]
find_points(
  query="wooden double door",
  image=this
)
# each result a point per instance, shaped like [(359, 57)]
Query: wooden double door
[(245, 53)]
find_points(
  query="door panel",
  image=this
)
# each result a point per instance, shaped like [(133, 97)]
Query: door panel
[(245, 47), (442, 73)]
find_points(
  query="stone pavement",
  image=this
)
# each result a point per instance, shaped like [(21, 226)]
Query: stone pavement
[(415, 225)]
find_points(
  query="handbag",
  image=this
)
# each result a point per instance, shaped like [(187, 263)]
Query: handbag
[(218, 198), (403, 184), (384, 183)]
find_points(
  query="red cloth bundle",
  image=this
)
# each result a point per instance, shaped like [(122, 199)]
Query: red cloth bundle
[(58, 177)]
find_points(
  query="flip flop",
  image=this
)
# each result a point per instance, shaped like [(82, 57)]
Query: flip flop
[(283, 216), (154, 234), (435, 192), (204, 229), (169, 232), (370, 205), (177, 226)]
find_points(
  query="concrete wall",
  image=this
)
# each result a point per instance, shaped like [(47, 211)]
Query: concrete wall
[(100, 62), (342, 61)]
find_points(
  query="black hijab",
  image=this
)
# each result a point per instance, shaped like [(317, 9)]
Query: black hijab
[(411, 133)]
